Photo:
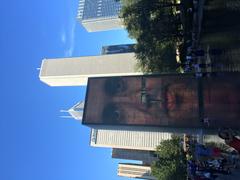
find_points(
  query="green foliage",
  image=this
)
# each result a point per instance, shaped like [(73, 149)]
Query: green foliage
[(157, 57), (171, 162), (155, 26), (155, 18)]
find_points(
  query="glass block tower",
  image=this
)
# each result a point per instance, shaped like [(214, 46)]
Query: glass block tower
[(99, 15)]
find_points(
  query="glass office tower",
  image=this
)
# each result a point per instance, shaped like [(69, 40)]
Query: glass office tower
[(99, 15)]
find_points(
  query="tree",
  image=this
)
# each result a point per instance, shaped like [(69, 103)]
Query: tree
[(155, 26), (171, 163), (156, 57), (155, 17)]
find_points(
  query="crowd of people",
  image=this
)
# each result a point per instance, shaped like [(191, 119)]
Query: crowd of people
[(208, 163), (194, 61)]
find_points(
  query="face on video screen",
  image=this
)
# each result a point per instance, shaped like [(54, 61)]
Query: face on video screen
[(142, 100), (163, 101)]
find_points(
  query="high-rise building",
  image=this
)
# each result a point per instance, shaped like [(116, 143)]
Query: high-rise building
[(126, 137), (75, 71), (117, 49), (99, 15), (75, 112), (135, 171), (147, 157)]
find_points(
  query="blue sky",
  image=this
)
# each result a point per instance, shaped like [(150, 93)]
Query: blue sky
[(35, 143)]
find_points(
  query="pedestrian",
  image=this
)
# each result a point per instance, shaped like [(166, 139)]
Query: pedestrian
[(230, 139)]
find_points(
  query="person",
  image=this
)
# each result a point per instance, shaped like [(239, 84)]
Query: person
[(230, 138), (206, 121), (192, 167), (201, 150)]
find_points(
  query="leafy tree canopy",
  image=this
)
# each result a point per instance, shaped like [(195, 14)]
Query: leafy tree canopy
[(171, 162), (155, 26)]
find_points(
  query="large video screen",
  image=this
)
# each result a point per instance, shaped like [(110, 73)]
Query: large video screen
[(143, 100), (222, 100), (166, 100)]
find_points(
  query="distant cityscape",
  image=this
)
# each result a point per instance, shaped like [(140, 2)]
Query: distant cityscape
[(129, 143), (129, 111)]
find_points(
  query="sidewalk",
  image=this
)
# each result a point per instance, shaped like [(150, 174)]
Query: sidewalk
[(234, 176)]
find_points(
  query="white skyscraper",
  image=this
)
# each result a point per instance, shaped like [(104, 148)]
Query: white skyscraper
[(75, 71), (128, 137), (99, 15)]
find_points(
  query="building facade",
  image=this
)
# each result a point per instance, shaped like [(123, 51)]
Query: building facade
[(99, 15), (147, 157), (117, 49), (135, 171), (134, 138), (75, 71)]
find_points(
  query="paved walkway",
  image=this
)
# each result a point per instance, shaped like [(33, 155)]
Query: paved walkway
[(197, 21), (234, 176)]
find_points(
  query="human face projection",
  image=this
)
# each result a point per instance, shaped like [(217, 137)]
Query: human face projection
[(148, 100), (171, 101)]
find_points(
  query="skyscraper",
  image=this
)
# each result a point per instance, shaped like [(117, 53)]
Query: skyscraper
[(135, 171), (75, 71), (75, 112), (126, 137), (117, 49), (147, 157), (99, 15)]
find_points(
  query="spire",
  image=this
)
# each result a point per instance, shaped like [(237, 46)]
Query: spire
[(76, 112)]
